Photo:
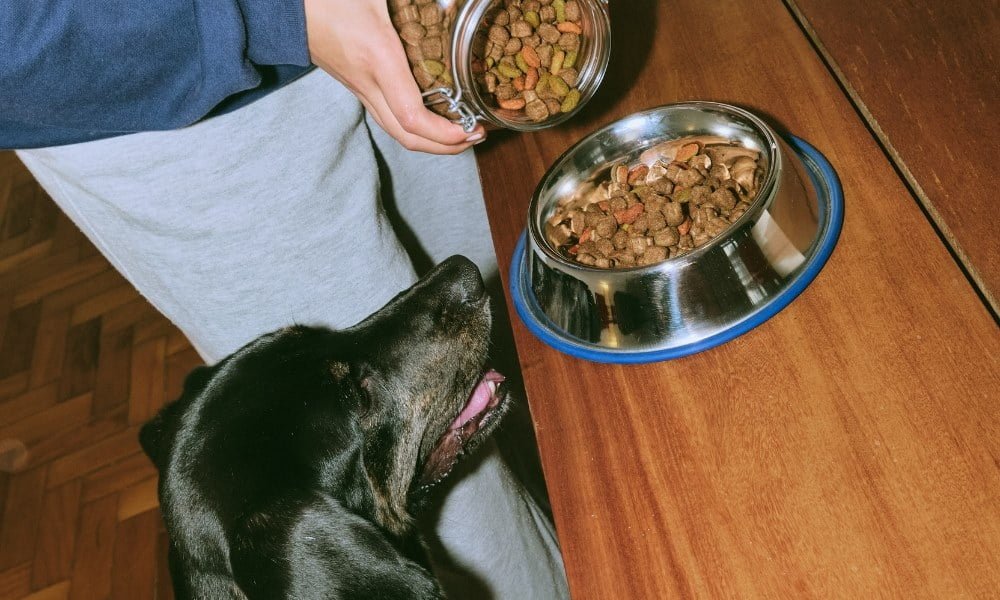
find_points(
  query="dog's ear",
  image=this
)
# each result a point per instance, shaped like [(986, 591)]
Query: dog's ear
[(156, 436), (196, 380), (151, 438)]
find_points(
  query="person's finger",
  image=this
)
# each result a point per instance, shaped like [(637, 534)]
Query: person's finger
[(379, 109), (374, 102), (402, 95)]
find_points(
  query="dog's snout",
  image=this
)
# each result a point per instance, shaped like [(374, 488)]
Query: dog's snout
[(452, 288), (470, 286), (463, 279)]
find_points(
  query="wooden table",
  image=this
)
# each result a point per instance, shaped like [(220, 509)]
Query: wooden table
[(925, 77), (849, 446)]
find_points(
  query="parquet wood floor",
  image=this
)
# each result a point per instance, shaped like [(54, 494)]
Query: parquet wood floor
[(84, 360)]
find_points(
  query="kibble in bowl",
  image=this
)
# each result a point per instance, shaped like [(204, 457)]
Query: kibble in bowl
[(680, 195), (670, 231)]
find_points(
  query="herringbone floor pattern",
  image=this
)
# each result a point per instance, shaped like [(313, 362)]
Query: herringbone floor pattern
[(84, 361)]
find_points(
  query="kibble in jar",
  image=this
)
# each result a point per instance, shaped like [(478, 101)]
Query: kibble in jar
[(425, 28), (526, 54), (681, 195), (521, 64)]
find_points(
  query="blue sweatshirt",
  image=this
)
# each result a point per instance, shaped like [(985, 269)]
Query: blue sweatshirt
[(78, 70)]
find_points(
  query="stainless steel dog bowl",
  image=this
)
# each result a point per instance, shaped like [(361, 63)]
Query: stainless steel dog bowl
[(692, 302)]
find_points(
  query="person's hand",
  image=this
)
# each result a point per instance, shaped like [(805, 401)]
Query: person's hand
[(354, 41)]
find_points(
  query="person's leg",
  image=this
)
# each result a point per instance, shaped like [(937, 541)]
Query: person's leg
[(244, 223), (261, 218)]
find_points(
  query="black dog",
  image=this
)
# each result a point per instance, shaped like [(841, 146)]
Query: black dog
[(291, 469)]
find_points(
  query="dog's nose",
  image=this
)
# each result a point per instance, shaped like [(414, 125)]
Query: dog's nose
[(464, 278)]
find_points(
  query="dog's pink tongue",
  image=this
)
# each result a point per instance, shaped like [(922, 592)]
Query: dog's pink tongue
[(479, 399)]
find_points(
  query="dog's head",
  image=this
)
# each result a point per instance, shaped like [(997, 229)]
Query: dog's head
[(373, 415)]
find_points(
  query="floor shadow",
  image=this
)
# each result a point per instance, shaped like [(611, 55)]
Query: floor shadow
[(633, 29), (515, 437), (419, 257)]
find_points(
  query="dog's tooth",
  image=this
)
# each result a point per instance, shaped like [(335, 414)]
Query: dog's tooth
[(493, 386)]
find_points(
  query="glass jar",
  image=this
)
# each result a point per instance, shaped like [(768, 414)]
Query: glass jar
[(517, 64)]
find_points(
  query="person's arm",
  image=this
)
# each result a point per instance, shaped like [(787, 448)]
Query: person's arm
[(355, 42), (91, 68), (75, 70)]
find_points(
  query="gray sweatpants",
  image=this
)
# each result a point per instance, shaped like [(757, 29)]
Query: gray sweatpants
[(273, 215)]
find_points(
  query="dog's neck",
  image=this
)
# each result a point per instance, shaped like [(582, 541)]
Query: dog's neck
[(390, 508), (371, 498)]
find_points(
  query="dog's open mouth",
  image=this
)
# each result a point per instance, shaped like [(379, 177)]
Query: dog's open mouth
[(481, 412)]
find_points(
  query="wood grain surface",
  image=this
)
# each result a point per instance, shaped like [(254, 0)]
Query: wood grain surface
[(847, 447), (925, 75), (83, 359)]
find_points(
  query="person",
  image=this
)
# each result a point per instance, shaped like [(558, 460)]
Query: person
[(240, 190)]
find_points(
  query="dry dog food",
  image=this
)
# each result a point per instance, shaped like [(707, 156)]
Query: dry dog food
[(526, 56), (682, 194), (425, 28)]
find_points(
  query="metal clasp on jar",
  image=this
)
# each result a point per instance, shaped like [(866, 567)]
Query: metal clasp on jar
[(466, 118)]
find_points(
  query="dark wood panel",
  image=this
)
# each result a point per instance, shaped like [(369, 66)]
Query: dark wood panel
[(925, 74), (843, 448), (21, 510), (95, 544), (135, 557), (56, 535)]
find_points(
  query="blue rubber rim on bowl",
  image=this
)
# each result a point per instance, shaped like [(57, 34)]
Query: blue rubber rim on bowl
[(830, 197)]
